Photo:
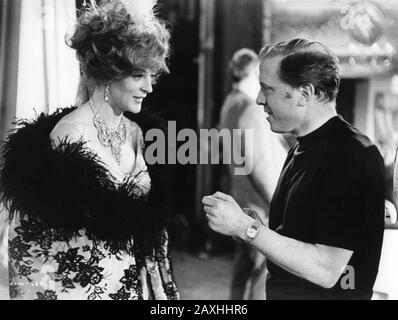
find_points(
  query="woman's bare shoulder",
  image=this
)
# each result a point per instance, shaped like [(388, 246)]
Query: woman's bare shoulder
[(71, 126)]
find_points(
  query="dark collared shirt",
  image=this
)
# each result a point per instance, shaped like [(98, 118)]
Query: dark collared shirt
[(331, 192)]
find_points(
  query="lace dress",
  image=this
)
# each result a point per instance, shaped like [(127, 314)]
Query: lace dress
[(44, 264)]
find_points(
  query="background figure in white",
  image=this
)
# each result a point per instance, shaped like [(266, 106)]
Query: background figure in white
[(386, 136), (254, 190), (386, 286)]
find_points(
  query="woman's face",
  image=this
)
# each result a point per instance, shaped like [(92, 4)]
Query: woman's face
[(128, 94)]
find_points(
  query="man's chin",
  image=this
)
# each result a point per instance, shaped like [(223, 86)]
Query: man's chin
[(274, 127), (271, 123)]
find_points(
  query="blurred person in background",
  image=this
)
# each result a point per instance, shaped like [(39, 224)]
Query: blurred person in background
[(267, 153), (88, 215)]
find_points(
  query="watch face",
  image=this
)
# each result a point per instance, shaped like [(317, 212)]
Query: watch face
[(251, 232)]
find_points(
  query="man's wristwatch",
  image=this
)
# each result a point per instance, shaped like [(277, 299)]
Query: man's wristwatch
[(252, 231)]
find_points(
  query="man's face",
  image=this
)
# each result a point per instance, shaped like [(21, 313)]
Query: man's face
[(252, 79), (280, 100)]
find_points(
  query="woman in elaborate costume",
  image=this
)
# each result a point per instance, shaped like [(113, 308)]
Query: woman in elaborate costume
[(88, 215)]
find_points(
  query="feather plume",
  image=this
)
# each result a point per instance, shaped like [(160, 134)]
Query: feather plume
[(68, 189), (139, 9)]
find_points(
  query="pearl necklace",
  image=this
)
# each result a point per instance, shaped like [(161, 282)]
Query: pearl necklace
[(108, 137)]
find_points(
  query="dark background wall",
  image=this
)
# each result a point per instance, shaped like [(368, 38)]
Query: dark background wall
[(238, 25)]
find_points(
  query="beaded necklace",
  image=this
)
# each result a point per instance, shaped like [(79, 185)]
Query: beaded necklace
[(108, 137)]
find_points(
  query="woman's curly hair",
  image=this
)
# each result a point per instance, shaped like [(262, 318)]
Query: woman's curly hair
[(110, 45)]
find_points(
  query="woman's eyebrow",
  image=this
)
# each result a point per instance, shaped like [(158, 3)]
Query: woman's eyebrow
[(138, 70)]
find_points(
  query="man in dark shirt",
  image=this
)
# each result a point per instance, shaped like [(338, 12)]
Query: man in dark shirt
[(327, 214)]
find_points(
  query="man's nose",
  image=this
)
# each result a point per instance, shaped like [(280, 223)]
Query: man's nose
[(260, 99)]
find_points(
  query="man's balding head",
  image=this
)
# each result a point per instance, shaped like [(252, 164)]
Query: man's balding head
[(306, 62)]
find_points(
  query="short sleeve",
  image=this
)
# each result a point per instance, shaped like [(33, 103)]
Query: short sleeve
[(351, 201)]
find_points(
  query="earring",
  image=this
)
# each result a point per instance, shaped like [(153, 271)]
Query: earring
[(107, 93)]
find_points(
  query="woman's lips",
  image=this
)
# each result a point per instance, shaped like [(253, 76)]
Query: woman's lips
[(138, 99)]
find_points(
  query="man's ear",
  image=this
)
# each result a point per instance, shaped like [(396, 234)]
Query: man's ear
[(307, 92)]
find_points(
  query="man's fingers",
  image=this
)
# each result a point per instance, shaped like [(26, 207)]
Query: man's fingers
[(209, 201), (208, 210), (221, 196)]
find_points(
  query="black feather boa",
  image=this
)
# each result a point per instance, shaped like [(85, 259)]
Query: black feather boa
[(67, 188)]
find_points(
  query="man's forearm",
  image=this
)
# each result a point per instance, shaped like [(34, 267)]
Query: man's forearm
[(299, 258), (318, 263)]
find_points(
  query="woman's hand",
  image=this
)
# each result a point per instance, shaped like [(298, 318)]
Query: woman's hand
[(225, 216)]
